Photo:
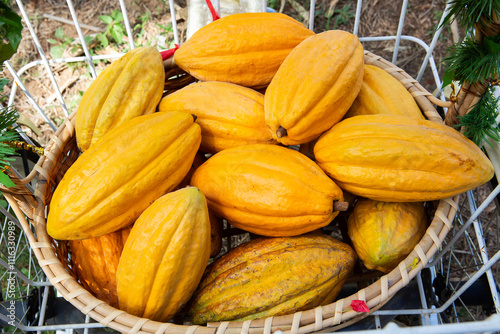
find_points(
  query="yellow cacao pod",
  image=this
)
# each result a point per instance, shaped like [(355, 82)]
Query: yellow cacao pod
[(384, 233), (114, 181), (229, 115), (131, 86), (243, 48), (401, 159), (314, 87), (272, 276), (268, 190), (95, 260), (165, 255), (381, 93)]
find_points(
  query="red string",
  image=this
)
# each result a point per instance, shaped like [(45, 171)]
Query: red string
[(215, 16), (169, 53)]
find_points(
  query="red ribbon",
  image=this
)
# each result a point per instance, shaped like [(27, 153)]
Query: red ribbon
[(215, 16), (359, 306), (168, 53)]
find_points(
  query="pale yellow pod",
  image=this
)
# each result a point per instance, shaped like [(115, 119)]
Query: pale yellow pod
[(131, 86), (384, 233), (381, 93)]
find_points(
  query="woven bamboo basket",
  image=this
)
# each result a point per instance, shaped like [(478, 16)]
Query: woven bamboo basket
[(62, 151)]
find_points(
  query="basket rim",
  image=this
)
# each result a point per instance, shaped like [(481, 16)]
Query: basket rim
[(332, 316)]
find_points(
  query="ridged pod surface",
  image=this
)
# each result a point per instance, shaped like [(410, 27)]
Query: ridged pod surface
[(229, 115), (131, 86), (314, 87), (242, 48), (381, 93), (401, 159), (114, 181), (384, 233), (95, 260), (165, 255), (268, 190), (272, 276)]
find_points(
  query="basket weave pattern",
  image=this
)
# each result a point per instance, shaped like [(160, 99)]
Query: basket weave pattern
[(62, 152)]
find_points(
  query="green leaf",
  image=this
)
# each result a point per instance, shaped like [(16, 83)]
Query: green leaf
[(4, 203), (5, 180), (25, 272), (448, 77), (10, 32), (59, 33), (117, 34), (491, 46), (480, 121), (102, 39), (10, 26), (88, 39), (3, 83), (57, 51), (472, 62), (106, 19), (51, 41), (6, 51), (117, 15)]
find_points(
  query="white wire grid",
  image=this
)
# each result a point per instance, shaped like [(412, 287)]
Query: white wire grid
[(431, 317)]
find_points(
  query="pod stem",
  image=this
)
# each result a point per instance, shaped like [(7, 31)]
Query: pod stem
[(340, 206), (281, 132)]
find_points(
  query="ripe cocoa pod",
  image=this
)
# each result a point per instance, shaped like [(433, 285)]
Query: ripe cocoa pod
[(131, 86), (229, 115), (395, 158), (94, 261), (384, 233), (243, 48), (272, 276), (268, 190), (116, 179), (314, 87), (165, 255), (381, 93)]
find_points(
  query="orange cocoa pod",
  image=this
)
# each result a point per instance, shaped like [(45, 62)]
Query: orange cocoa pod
[(95, 260), (314, 87), (268, 190), (229, 115), (242, 48), (394, 158)]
